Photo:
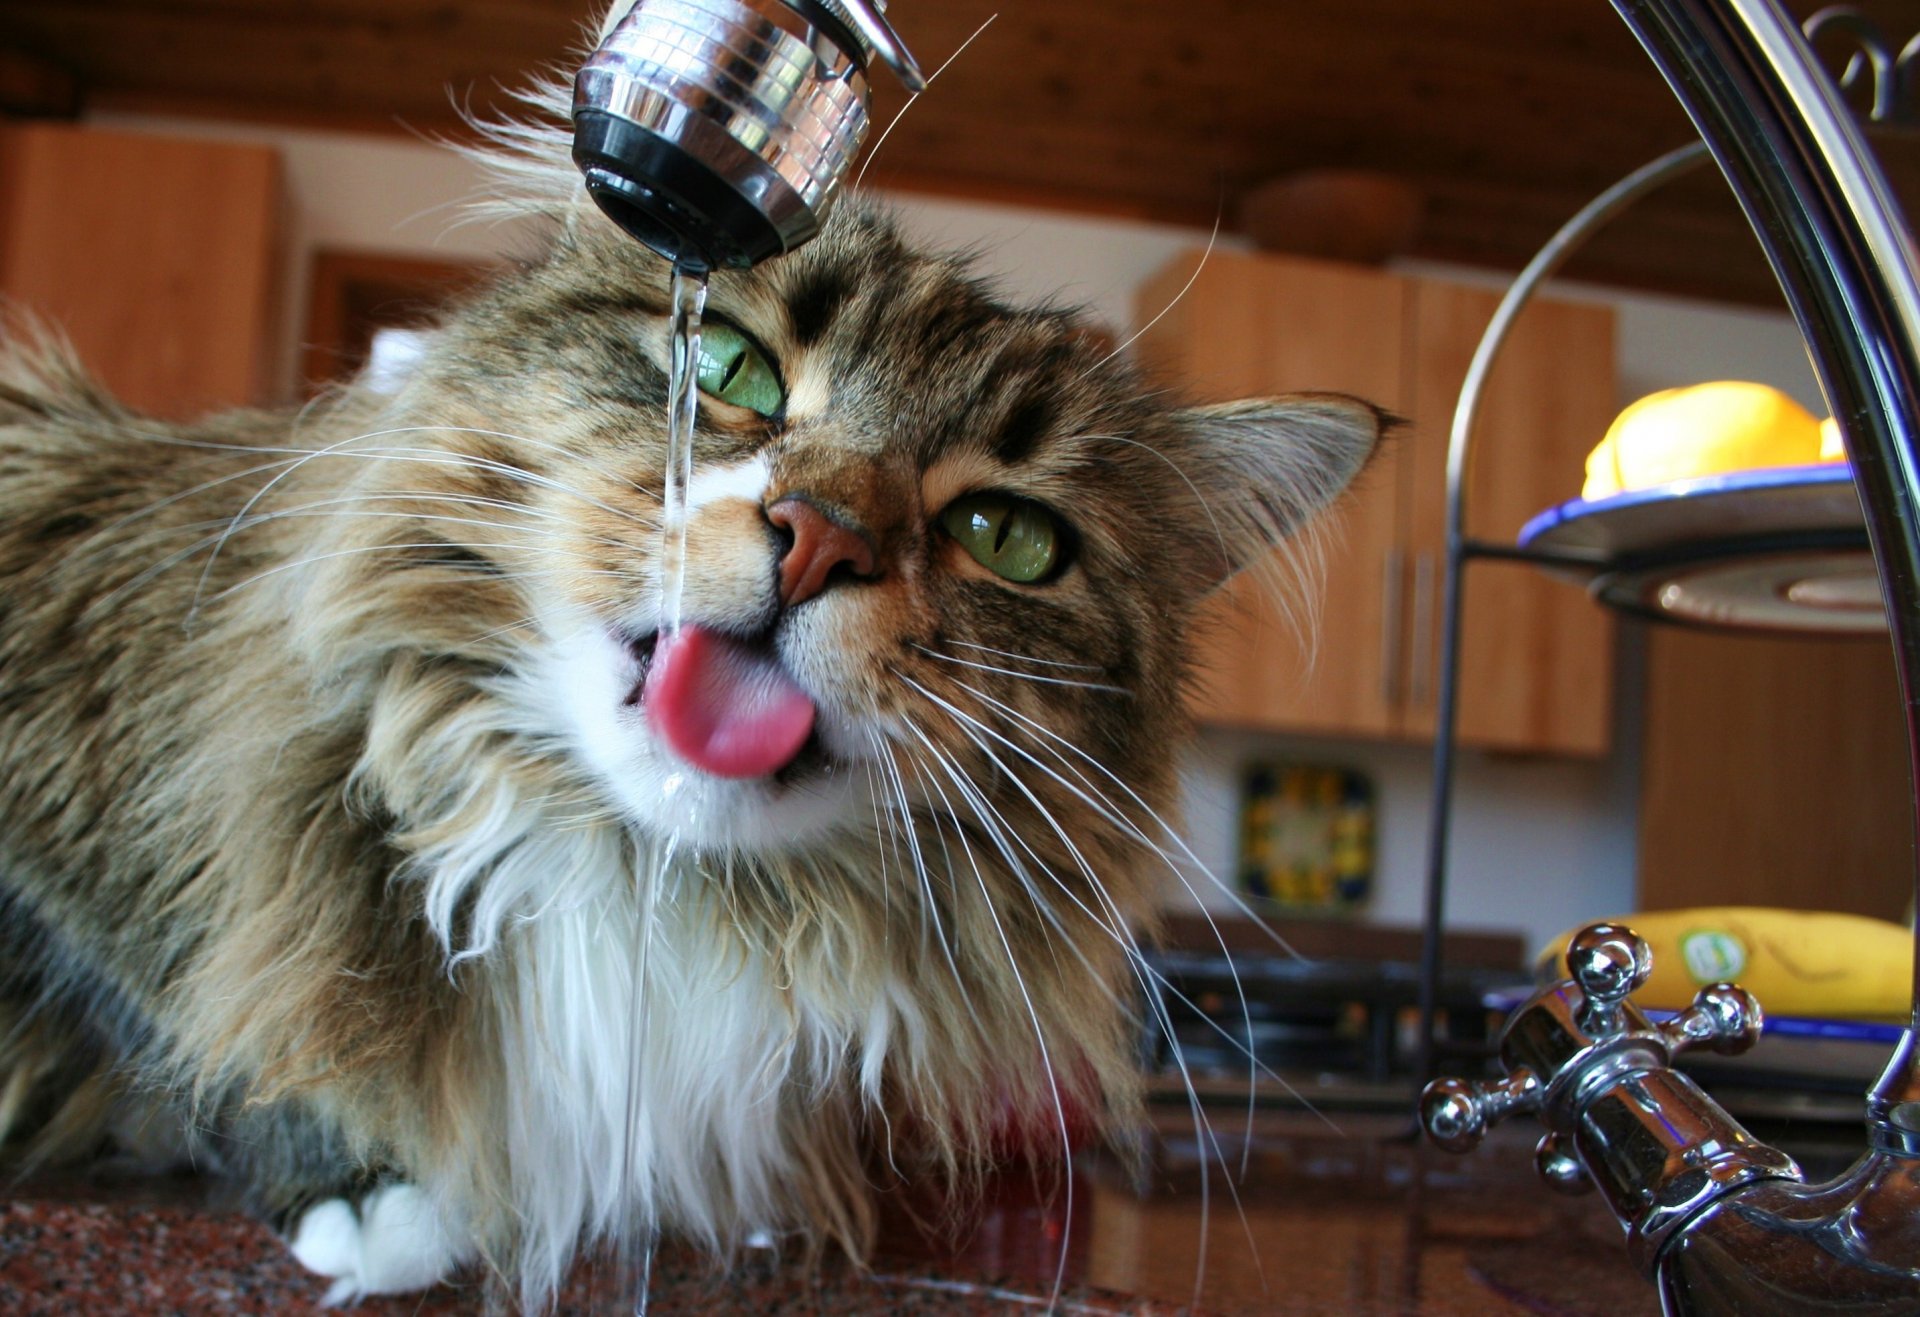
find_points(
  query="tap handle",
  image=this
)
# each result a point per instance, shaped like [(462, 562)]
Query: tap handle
[(1456, 1113), (1608, 962), (1723, 1017), (1560, 1166)]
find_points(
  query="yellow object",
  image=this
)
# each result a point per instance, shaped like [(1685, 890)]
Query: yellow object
[(1701, 430), (1797, 962), (1832, 447)]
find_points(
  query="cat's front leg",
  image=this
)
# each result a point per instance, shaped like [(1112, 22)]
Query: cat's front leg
[(393, 1240)]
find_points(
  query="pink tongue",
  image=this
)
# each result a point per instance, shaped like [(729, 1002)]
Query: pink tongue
[(726, 709)]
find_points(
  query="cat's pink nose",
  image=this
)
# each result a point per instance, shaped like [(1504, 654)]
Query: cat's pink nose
[(820, 546)]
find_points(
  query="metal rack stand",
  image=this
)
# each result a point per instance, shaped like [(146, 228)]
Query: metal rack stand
[(1720, 1222), (1461, 549)]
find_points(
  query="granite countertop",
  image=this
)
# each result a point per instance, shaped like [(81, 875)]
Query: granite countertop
[(1356, 1221), (60, 1257)]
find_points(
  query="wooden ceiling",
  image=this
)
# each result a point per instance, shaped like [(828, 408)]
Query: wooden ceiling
[(1506, 117)]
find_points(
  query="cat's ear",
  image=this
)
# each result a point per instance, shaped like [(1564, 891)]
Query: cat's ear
[(1265, 467)]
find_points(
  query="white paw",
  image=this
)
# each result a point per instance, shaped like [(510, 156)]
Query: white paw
[(395, 1243)]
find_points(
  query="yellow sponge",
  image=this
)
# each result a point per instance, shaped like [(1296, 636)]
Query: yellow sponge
[(1701, 430)]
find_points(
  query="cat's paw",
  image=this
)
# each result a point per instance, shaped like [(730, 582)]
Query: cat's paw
[(393, 1243)]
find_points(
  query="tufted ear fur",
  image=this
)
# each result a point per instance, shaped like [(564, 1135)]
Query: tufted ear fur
[(1265, 467)]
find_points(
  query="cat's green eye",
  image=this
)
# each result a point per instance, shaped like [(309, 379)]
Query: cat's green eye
[(733, 370), (1009, 536)]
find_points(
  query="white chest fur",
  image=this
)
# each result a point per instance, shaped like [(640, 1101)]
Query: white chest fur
[(648, 1058), (652, 1061)]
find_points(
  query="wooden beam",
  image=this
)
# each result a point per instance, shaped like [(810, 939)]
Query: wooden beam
[(32, 87)]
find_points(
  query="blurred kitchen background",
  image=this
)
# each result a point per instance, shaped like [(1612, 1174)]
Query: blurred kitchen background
[(223, 202)]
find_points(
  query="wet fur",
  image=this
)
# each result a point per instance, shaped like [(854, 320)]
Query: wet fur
[(311, 869)]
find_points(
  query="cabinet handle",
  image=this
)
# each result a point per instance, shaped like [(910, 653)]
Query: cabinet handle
[(1422, 627), (1391, 572)]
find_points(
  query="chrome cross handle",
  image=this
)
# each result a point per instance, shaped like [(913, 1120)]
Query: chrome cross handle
[(1723, 1017), (1457, 1113), (1599, 1075), (1584, 1021), (1610, 962)]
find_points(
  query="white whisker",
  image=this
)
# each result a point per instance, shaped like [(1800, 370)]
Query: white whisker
[(308, 561), (901, 113), (443, 457), (1151, 980), (880, 854), (185, 494), (572, 455), (1104, 806), (436, 458), (1192, 861), (1046, 1056), (1027, 658), (926, 881), (1025, 676), (327, 508), (1185, 288)]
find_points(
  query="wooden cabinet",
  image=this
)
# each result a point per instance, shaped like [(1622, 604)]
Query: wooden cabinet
[(157, 257), (1537, 658), (1249, 327)]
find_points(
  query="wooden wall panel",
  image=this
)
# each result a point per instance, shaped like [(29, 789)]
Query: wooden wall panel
[(353, 295), (1774, 774), (156, 256), (1114, 106)]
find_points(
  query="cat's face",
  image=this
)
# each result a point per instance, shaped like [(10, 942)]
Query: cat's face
[(938, 549)]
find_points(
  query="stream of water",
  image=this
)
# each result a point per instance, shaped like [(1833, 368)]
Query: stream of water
[(688, 300)]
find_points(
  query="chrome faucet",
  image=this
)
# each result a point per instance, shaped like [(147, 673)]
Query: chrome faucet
[(1720, 1222), (717, 131)]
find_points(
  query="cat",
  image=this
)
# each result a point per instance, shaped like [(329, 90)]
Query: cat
[(348, 788)]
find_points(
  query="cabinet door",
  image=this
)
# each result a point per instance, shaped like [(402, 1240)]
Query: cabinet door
[(155, 256), (1536, 668), (1260, 325)]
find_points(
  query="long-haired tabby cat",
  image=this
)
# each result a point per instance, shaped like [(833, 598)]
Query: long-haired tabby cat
[(360, 838)]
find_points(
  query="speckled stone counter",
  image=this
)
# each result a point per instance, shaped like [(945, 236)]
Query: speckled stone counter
[(59, 1258), (71, 1246), (1358, 1223)]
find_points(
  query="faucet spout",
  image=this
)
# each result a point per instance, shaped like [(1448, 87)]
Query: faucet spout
[(718, 133)]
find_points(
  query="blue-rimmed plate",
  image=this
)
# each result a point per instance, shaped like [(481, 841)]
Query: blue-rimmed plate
[(1737, 505), (1781, 549)]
